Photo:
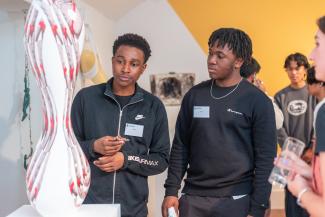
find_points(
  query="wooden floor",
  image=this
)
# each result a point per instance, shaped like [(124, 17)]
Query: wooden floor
[(277, 213)]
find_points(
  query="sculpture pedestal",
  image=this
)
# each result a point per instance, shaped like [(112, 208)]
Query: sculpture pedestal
[(87, 210)]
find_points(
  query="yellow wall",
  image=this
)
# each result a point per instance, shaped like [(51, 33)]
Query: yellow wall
[(276, 27)]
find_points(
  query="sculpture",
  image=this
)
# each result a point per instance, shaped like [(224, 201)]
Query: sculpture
[(58, 175)]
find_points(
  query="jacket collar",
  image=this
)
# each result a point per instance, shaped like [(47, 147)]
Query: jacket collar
[(138, 96)]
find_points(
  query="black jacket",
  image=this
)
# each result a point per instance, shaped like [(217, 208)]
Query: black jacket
[(229, 150), (96, 113)]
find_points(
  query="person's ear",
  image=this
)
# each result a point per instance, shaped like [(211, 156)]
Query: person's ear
[(238, 63), (144, 66)]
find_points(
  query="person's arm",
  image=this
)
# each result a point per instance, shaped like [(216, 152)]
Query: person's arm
[(281, 132), (264, 142), (178, 161), (278, 116), (179, 152), (77, 121), (156, 161), (309, 200)]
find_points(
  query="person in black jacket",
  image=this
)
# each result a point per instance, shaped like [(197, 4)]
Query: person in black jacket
[(123, 131), (225, 139)]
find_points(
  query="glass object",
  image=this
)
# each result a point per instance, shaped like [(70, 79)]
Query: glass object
[(58, 175), (291, 146)]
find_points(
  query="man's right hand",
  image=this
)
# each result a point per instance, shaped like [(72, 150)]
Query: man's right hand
[(169, 201), (108, 145)]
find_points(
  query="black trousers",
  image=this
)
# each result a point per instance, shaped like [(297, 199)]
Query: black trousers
[(196, 206), (291, 206)]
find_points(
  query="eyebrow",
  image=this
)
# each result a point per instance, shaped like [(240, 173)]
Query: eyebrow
[(137, 60), (218, 51)]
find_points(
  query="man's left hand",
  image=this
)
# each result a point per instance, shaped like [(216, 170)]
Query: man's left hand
[(110, 163)]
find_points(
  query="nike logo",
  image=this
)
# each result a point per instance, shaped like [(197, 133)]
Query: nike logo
[(139, 117)]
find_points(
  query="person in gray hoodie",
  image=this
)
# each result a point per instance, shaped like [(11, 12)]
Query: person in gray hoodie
[(297, 107)]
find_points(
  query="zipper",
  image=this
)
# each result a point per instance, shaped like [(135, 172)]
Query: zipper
[(118, 133)]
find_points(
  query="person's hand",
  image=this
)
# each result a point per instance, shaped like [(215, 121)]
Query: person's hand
[(169, 201), (110, 163), (108, 145), (308, 155), (297, 184), (294, 164)]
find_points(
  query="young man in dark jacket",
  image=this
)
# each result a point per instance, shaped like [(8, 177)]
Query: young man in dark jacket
[(225, 139), (123, 131)]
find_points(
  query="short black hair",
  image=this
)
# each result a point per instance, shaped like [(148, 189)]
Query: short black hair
[(250, 68), (297, 57), (237, 41), (133, 40), (311, 78), (321, 24)]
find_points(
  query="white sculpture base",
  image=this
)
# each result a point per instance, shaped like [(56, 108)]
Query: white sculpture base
[(87, 210)]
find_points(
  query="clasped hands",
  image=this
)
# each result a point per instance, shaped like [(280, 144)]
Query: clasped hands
[(109, 147)]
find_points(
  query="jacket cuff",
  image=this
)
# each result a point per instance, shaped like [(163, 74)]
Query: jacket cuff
[(126, 161), (91, 151), (171, 191)]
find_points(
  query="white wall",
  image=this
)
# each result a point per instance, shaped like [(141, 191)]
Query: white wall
[(14, 134), (11, 136), (102, 31), (173, 49)]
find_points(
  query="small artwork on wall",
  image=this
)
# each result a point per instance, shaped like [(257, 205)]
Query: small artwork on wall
[(171, 87)]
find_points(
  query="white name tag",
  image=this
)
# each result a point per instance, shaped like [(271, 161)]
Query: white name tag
[(201, 112), (133, 130)]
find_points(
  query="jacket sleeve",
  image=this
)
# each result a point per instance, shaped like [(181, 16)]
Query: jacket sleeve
[(281, 132), (178, 161), (156, 161), (77, 121), (264, 141)]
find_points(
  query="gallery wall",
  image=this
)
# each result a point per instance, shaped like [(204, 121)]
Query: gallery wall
[(11, 129), (277, 28)]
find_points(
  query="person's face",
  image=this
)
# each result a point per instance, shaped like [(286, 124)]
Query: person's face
[(296, 73), (127, 65), (222, 62), (317, 55)]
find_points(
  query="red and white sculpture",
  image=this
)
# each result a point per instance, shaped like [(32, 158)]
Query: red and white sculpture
[(58, 176)]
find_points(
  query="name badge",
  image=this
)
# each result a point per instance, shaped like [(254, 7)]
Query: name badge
[(133, 130), (201, 112)]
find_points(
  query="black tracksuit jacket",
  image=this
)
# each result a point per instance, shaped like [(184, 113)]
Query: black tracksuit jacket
[(96, 113)]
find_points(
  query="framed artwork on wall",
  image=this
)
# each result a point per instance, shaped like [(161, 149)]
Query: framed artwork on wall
[(171, 87)]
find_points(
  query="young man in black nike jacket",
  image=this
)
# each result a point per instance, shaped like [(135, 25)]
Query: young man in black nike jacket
[(123, 131)]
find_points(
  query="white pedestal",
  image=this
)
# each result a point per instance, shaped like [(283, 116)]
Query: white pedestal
[(87, 210)]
